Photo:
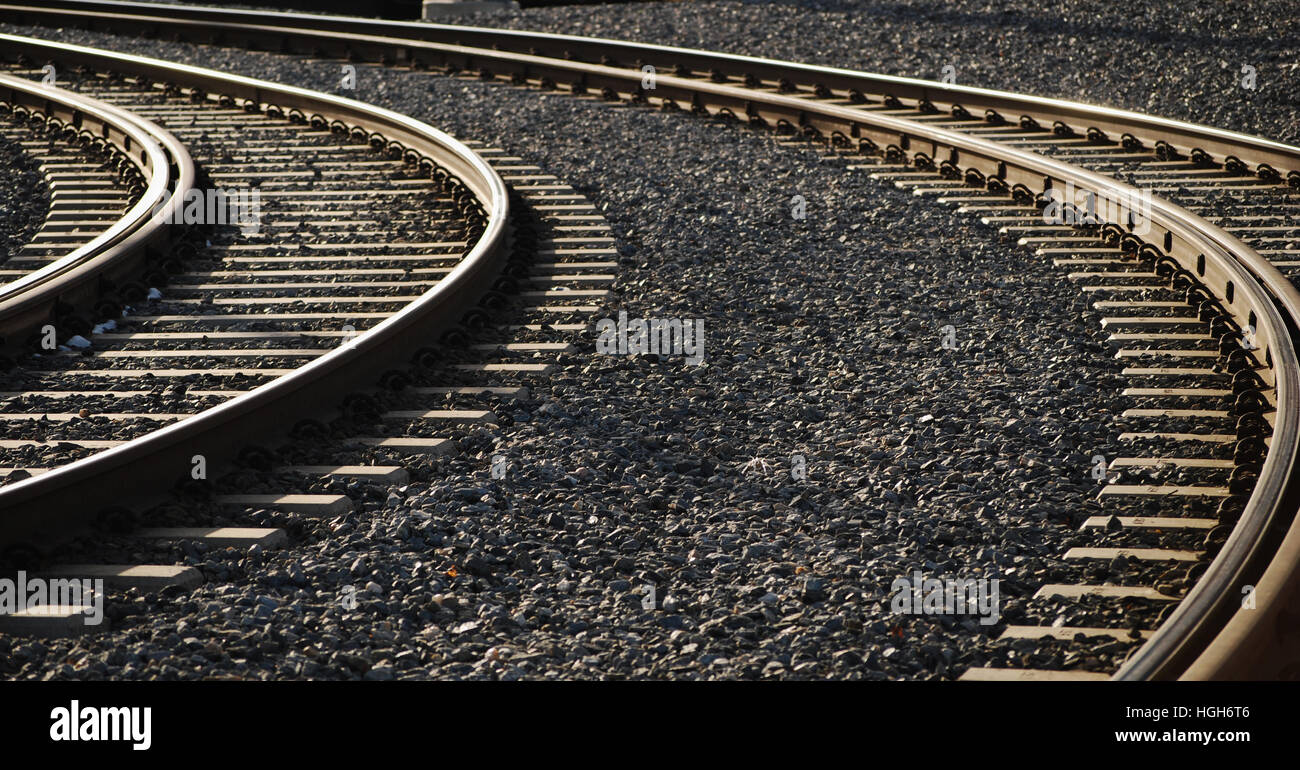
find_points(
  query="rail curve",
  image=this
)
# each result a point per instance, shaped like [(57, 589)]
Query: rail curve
[(1209, 635)]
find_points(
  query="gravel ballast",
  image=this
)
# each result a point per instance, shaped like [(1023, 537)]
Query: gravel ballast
[(24, 197), (823, 339)]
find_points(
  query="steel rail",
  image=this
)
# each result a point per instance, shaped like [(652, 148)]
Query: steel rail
[(269, 27), (273, 29), (30, 301), (42, 509), (1261, 639), (1230, 265)]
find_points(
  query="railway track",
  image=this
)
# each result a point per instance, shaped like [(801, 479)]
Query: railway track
[(1202, 304), (245, 305), (108, 174)]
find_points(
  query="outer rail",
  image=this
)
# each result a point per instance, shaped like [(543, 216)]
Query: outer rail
[(1253, 292), (42, 508), (116, 253), (269, 27)]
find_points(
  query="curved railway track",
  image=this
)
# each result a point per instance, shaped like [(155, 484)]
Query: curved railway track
[(1201, 303), (239, 342), (96, 234)]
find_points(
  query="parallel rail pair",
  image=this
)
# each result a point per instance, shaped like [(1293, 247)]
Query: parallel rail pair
[(45, 507)]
